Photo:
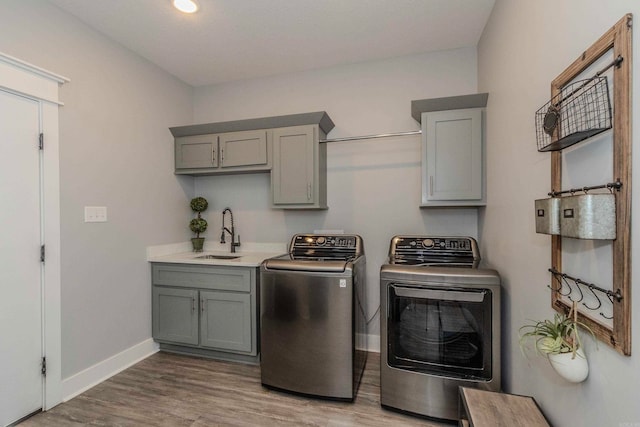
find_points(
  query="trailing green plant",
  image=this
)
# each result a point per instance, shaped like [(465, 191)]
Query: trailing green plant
[(198, 225), (556, 336)]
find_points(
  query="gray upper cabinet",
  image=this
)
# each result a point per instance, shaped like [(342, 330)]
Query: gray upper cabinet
[(244, 149), (452, 156), (453, 152), (236, 152), (196, 152), (288, 146), (298, 178)]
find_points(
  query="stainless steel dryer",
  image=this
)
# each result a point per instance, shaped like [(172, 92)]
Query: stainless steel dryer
[(313, 327), (439, 325)]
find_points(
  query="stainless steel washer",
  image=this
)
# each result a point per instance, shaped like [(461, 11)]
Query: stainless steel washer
[(313, 327), (440, 325)]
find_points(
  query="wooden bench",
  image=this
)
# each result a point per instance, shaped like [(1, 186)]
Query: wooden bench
[(481, 408)]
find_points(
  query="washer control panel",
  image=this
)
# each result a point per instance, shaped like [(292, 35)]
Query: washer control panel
[(326, 247), (326, 241)]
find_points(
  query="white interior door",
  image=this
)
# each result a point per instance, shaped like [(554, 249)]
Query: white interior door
[(21, 381)]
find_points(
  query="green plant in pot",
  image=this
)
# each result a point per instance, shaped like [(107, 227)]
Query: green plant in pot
[(198, 224), (559, 340)]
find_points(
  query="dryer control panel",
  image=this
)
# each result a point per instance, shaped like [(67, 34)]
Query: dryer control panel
[(435, 243), (429, 250)]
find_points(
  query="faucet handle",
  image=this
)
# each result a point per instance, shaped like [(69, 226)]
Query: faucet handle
[(238, 244)]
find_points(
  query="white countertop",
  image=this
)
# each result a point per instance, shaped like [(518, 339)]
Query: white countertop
[(249, 254)]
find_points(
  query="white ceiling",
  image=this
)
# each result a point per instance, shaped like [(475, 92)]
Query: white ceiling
[(241, 39)]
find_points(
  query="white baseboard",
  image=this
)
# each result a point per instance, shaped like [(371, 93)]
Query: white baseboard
[(94, 375), (373, 343)]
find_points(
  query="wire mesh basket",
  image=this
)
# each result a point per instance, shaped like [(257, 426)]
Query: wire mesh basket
[(580, 111)]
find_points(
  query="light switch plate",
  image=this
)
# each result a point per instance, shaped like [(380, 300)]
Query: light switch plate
[(95, 214)]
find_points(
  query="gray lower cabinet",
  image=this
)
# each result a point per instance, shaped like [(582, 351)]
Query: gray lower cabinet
[(299, 174), (225, 322), (206, 310), (175, 315)]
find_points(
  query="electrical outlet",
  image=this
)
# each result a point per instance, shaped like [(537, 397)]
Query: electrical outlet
[(95, 214)]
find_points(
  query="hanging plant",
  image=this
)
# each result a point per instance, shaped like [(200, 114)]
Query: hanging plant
[(559, 340)]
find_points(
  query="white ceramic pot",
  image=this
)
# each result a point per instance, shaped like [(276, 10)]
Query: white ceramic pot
[(573, 370)]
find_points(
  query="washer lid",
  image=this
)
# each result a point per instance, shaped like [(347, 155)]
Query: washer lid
[(292, 263)]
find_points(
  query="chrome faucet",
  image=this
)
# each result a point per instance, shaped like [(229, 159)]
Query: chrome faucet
[(231, 232)]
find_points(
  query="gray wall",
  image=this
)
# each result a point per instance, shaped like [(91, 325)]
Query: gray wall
[(373, 185), (115, 151), (524, 46)]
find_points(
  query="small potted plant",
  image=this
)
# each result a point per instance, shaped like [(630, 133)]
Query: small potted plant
[(198, 224), (559, 340)]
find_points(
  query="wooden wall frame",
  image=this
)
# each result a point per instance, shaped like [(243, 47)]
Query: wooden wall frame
[(617, 38)]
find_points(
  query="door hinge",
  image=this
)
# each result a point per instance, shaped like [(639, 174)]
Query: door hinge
[(41, 141), (44, 366), (42, 253)]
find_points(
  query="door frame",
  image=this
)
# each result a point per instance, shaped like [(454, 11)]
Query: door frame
[(27, 80)]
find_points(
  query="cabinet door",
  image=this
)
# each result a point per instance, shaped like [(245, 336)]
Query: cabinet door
[(292, 178), (243, 149), (225, 320), (199, 151), (452, 155), (175, 315)]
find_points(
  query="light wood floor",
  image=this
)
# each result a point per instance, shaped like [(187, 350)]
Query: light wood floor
[(172, 390)]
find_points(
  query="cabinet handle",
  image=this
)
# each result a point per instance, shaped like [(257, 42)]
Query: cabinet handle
[(431, 185), (193, 304), (222, 157), (202, 305), (213, 155), (308, 191)]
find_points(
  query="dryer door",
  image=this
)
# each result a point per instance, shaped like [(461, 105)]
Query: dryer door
[(440, 331)]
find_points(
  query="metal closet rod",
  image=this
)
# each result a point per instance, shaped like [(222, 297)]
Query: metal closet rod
[(380, 135)]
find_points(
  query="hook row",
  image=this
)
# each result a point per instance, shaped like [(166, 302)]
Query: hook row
[(563, 281), (609, 186)]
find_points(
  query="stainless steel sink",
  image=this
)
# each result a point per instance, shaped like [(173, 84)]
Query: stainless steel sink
[(218, 257)]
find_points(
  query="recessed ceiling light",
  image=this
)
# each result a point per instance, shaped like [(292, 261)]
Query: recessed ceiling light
[(186, 6)]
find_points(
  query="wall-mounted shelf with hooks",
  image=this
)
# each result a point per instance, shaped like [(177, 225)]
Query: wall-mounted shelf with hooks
[(615, 327)]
